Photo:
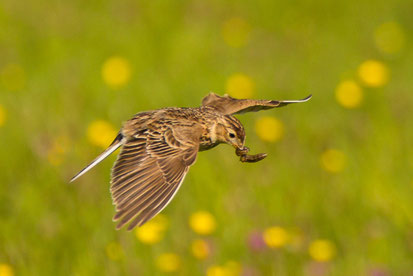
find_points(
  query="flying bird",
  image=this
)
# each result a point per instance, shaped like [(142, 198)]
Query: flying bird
[(159, 146)]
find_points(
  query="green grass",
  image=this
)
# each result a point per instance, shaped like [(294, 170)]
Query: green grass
[(178, 54)]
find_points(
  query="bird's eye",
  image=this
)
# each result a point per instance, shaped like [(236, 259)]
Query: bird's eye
[(232, 135)]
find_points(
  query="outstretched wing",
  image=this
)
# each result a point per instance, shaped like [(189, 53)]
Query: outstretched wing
[(228, 105), (147, 174)]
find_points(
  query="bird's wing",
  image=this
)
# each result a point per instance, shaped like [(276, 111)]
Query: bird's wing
[(149, 171), (228, 105)]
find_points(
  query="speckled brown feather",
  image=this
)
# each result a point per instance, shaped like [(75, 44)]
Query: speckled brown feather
[(159, 146), (151, 166), (228, 105)]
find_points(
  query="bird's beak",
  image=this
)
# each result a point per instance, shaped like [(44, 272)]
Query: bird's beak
[(239, 146)]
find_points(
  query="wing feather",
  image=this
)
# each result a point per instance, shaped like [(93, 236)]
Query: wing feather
[(228, 105), (148, 172)]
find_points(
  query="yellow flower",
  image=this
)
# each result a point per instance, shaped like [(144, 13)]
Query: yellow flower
[(231, 268), (116, 72), (168, 262), (373, 73), (349, 94), (389, 37), (202, 223), (240, 86), (269, 129), (101, 133), (322, 250), (114, 251), (200, 249), (153, 231), (333, 160), (236, 32), (275, 236), (6, 270), (216, 270), (13, 77), (2, 115)]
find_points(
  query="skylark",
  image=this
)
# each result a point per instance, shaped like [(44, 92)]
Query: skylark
[(159, 146)]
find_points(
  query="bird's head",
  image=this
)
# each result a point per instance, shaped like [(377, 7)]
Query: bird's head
[(229, 130)]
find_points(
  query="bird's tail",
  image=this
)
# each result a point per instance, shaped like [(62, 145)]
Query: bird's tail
[(119, 140)]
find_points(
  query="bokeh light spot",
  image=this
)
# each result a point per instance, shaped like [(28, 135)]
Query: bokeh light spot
[(101, 133), (389, 37), (116, 72), (349, 94), (322, 250), (231, 268), (275, 236), (216, 270), (153, 231), (2, 115), (6, 270), (373, 73), (168, 262), (13, 77), (114, 251), (256, 241), (202, 222), (240, 86), (269, 129), (333, 160), (236, 32), (200, 249)]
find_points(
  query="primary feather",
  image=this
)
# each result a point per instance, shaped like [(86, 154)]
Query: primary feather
[(159, 146)]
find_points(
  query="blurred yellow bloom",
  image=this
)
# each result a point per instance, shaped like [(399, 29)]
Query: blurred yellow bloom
[(116, 72), (231, 268), (216, 270), (114, 251), (6, 270), (373, 73), (333, 160), (168, 262), (322, 250), (269, 129), (101, 133), (202, 223), (200, 249), (13, 77), (153, 231), (389, 37), (349, 94), (240, 86), (2, 115), (58, 149), (236, 32), (275, 236)]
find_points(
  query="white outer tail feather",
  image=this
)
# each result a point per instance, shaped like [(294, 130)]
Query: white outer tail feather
[(115, 145), (298, 101)]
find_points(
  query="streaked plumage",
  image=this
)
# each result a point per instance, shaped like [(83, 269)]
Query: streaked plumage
[(159, 146)]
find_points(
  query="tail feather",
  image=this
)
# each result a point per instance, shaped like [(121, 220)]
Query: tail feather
[(114, 146)]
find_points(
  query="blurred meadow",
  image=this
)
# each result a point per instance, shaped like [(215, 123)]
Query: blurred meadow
[(333, 197)]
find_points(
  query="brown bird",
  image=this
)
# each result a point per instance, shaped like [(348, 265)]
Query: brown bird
[(159, 146)]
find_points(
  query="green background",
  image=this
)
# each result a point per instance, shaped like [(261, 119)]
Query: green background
[(178, 54)]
